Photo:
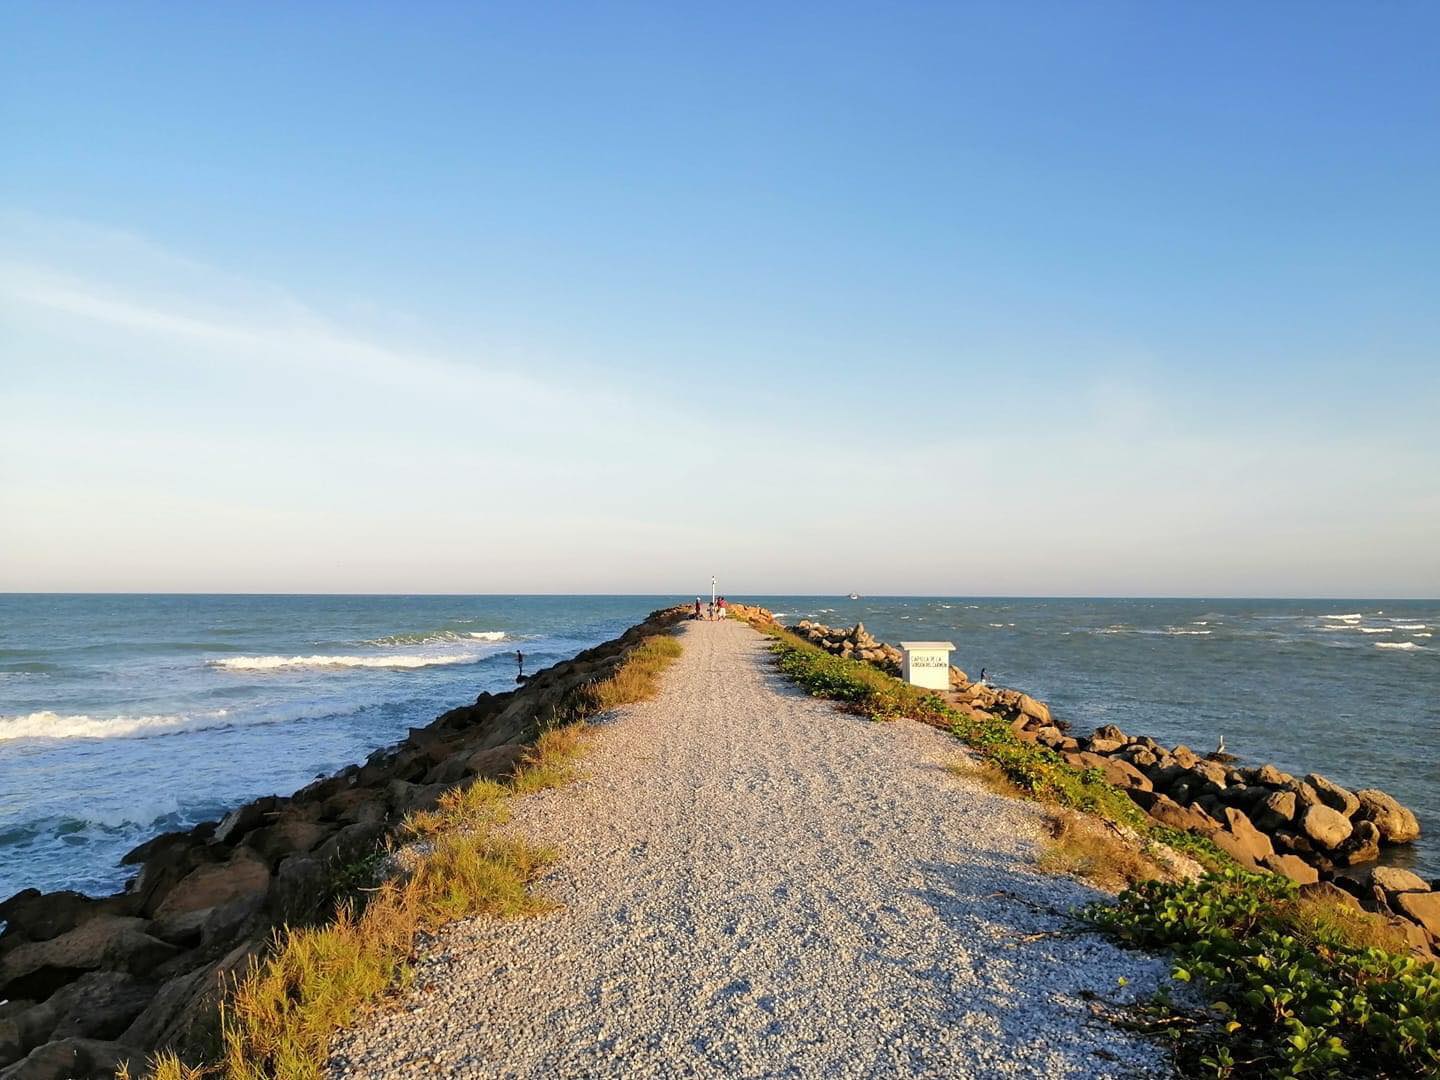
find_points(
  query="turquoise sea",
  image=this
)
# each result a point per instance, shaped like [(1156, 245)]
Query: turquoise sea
[(122, 716)]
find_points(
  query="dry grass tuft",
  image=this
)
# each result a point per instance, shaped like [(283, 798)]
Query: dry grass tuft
[(1086, 848), (1329, 921), (482, 803), (987, 775), (638, 679)]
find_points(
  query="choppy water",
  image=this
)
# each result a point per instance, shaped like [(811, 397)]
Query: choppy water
[(1350, 689), (123, 716)]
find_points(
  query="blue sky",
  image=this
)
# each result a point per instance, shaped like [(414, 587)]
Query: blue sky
[(1055, 299)]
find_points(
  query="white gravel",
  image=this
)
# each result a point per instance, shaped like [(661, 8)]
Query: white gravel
[(756, 884)]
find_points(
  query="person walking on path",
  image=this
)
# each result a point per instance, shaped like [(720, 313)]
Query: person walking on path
[(697, 608), (722, 607)]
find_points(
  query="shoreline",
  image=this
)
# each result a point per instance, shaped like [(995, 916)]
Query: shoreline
[(118, 977)]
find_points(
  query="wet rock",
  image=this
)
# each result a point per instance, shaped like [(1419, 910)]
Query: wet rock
[(1333, 795), (37, 916), (1326, 828), (1397, 823)]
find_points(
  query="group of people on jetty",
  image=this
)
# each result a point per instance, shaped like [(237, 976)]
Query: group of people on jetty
[(711, 611)]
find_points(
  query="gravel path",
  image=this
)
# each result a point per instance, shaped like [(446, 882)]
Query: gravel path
[(755, 884)]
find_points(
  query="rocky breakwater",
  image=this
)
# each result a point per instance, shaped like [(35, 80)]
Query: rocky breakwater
[(854, 643), (1310, 829), (87, 983)]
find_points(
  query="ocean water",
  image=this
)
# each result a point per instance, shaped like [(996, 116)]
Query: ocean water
[(1349, 689), (124, 716)]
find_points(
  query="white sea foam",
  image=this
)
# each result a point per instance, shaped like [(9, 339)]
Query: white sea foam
[(391, 660), (50, 725), (1426, 634), (1376, 629), (1407, 645), (1410, 626), (1355, 617), (488, 635), (1176, 631)]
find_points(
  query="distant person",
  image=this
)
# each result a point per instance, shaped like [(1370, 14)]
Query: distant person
[(697, 608), (722, 607), (519, 666), (982, 676)]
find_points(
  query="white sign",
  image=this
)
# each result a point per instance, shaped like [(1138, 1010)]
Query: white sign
[(927, 663)]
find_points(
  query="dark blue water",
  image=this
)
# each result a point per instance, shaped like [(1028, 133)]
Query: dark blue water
[(1347, 688), (122, 716)]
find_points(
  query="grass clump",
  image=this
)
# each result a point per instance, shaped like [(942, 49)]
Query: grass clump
[(638, 678), (1087, 849), (1300, 989)]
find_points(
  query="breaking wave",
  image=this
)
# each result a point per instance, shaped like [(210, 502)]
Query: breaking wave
[(1411, 626), (1356, 617), (1376, 629), (49, 725), (393, 660), (1407, 645), (437, 637)]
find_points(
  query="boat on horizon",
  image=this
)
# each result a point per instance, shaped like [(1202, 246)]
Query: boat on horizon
[(854, 596)]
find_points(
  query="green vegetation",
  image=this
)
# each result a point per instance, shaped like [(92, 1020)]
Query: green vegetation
[(281, 1016), (1036, 770), (1300, 987)]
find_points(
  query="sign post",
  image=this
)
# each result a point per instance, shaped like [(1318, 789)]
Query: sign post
[(927, 663)]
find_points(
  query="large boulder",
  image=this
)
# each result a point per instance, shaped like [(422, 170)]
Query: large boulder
[(1333, 795), (1036, 710), (72, 1059), (1393, 879), (37, 916), (1397, 823), (183, 1006), (1270, 776), (1422, 908), (1327, 828), (1240, 839), (1293, 867), (109, 942), (1167, 811), (215, 884), (1362, 847), (1275, 811)]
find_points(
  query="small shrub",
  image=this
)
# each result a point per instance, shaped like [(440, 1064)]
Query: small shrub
[(1297, 994)]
